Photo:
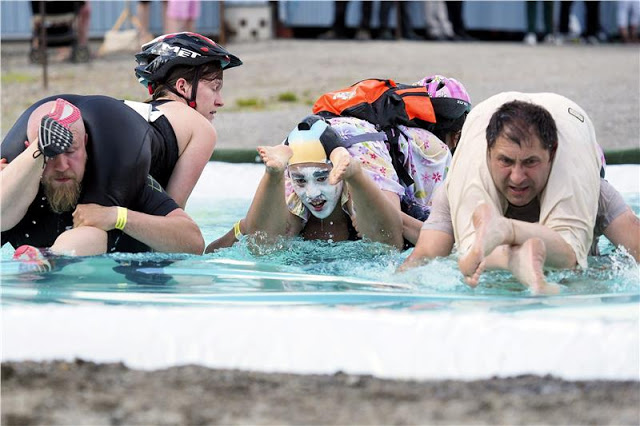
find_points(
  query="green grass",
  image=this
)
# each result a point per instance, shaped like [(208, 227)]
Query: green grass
[(287, 97), (18, 78), (253, 103)]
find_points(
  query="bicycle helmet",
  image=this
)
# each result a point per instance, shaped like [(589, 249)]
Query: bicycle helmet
[(312, 141), (439, 86), (158, 57)]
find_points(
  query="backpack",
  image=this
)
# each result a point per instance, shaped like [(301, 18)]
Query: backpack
[(387, 104)]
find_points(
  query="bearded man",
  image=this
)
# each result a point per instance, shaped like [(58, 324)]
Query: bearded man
[(44, 200)]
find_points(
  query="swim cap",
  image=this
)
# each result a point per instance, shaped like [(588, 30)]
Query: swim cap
[(312, 141)]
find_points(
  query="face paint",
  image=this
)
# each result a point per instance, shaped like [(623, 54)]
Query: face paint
[(311, 184)]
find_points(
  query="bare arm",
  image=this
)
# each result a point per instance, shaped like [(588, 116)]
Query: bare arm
[(411, 228), (624, 231), (19, 182), (193, 159), (268, 211), (174, 233)]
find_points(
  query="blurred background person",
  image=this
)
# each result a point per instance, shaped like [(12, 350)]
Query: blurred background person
[(592, 18), (628, 18), (182, 15), (454, 12), (436, 18), (531, 38), (405, 19), (339, 29)]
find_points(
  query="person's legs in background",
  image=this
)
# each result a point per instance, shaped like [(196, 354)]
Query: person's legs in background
[(339, 28), (181, 15), (563, 25), (84, 18), (454, 12), (385, 32), (549, 30), (143, 13), (592, 10), (530, 37), (364, 31), (407, 25), (438, 26)]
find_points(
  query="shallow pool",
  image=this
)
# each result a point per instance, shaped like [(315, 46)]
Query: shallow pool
[(320, 307)]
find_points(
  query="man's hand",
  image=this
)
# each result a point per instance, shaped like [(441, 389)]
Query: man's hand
[(3, 163), (95, 215)]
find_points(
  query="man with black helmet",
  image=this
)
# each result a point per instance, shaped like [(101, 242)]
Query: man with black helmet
[(183, 74)]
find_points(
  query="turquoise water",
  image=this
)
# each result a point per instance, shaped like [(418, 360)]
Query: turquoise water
[(346, 274)]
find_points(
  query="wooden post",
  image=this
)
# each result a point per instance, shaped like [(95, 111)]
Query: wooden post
[(42, 45), (222, 38)]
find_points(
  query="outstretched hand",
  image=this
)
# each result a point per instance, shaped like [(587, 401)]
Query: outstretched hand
[(95, 215)]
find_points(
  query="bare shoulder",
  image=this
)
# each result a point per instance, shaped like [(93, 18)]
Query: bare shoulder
[(187, 122)]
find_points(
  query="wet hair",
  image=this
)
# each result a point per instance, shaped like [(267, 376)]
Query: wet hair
[(518, 121), (208, 72)]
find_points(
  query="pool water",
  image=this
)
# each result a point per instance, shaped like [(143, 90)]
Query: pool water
[(296, 272)]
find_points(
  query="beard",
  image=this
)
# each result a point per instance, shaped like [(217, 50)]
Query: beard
[(62, 198)]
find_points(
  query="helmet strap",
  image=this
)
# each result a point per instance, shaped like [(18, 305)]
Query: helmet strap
[(194, 87)]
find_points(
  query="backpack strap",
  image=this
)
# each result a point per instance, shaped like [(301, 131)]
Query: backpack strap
[(364, 137), (397, 158)]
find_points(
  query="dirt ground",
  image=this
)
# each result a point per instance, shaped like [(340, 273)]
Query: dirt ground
[(111, 394)]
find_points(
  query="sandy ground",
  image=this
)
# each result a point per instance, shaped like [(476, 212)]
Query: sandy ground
[(604, 80), (111, 394)]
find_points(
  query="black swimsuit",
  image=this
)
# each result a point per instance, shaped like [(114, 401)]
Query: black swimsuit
[(164, 147)]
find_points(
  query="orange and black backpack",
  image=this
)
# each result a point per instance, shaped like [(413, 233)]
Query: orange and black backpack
[(387, 104)]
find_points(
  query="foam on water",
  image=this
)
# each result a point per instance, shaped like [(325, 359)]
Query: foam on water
[(291, 310)]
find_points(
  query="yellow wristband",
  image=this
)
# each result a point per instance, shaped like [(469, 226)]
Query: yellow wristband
[(121, 220), (236, 230)]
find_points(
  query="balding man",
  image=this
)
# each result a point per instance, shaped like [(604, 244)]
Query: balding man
[(81, 186)]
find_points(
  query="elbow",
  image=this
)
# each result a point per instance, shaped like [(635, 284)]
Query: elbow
[(196, 243)]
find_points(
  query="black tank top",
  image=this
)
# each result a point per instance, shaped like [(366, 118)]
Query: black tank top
[(164, 147)]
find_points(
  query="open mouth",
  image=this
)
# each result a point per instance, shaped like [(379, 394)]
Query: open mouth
[(318, 204), (519, 191)]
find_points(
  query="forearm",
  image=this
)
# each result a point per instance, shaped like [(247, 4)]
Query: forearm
[(625, 231), (174, 233), (431, 244), (268, 211), (411, 228), (378, 211), (19, 182)]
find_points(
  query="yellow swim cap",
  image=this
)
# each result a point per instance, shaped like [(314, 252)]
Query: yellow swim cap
[(312, 141)]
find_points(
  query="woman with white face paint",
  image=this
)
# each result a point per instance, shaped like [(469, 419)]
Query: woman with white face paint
[(313, 188)]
